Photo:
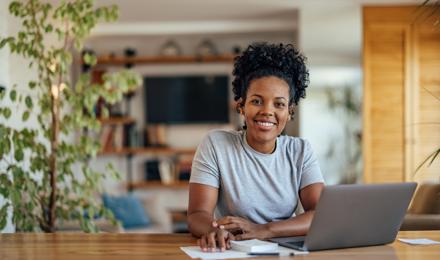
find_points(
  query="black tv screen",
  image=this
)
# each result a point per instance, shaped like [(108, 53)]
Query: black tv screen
[(186, 99)]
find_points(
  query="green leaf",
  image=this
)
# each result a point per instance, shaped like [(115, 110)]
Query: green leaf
[(4, 191), (3, 215), (32, 84), (13, 95), (2, 92), (7, 112), (19, 155), (28, 102), (3, 42), (48, 28), (25, 115), (90, 59)]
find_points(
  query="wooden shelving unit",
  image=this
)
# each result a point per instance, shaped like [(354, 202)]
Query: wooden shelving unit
[(130, 152), (120, 61), (157, 184)]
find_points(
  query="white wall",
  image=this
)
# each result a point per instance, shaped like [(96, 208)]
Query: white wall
[(4, 81)]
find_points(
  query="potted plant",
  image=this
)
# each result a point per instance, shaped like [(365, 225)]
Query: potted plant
[(45, 174)]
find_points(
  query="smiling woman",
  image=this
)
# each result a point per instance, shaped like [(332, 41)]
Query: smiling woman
[(253, 179)]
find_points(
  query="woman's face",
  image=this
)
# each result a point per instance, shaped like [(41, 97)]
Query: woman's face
[(266, 110)]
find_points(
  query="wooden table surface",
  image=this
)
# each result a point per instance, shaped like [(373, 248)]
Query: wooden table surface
[(82, 246)]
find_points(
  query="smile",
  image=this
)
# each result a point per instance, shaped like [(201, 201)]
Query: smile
[(264, 123)]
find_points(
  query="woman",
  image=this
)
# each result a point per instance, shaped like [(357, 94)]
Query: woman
[(253, 178)]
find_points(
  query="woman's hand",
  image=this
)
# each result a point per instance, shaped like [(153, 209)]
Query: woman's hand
[(242, 228), (215, 238)]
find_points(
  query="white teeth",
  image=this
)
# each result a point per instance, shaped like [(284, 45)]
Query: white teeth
[(265, 123)]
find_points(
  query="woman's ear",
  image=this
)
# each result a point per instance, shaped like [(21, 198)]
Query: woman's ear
[(291, 113), (239, 106)]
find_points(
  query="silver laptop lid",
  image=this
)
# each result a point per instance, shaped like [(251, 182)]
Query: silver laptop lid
[(358, 215)]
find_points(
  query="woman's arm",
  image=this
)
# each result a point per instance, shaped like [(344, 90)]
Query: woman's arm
[(296, 226), (202, 202)]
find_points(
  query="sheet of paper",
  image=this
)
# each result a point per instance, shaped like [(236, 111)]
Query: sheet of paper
[(195, 252), (419, 241)]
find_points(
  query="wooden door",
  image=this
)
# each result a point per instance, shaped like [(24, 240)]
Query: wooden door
[(401, 94)]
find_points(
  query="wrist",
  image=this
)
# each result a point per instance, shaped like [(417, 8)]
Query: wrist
[(267, 230)]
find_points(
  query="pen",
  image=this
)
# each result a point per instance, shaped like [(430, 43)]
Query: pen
[(272, 254)]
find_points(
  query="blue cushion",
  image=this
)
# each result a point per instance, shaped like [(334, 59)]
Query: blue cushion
[(127, 209)]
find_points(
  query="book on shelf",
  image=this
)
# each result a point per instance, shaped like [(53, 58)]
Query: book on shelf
[(112, 137), (163, 170), (167, 170), (118, 140), (152, 172)]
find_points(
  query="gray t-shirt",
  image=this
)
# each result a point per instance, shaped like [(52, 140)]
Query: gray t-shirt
[(253, 185)]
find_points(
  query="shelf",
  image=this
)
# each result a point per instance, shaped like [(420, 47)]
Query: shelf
[(118, 61), (148, 150), (158, 184), (117, 121)]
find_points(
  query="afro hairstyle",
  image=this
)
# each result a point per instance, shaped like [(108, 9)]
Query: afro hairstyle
[(262, 60)]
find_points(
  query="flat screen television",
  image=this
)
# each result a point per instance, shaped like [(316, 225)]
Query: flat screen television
[(194, 99)]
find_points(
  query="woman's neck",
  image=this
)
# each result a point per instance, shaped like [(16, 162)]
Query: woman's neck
[(266, 147)]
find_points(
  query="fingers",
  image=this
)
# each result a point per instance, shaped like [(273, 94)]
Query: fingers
[(202, 243), (217, 237), (211, 242), (244, 236), (227, 220), (221, 239), (233, 226), (207, 242), (229, 237)]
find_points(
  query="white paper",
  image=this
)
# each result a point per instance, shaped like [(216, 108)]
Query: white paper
[(419, 241), (196, 252)]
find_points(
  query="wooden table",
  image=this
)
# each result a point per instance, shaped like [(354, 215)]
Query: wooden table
[(82, 246)]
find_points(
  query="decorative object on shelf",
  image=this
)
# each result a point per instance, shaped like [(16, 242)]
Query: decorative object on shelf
[(45, 174), (156, 135), (236, 49), (171, 49), (130, 53), (206, 48)]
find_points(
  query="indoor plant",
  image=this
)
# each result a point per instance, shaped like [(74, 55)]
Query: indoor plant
[(44, 171)]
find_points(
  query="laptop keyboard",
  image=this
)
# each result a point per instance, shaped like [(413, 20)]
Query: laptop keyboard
[(297, 244)]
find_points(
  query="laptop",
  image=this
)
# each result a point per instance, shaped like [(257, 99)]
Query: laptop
[(355, 215)]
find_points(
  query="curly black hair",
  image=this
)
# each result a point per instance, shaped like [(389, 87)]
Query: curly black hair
[(263, 59)]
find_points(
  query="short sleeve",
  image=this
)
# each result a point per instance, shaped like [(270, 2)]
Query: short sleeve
[(311, 173), (204, 168)]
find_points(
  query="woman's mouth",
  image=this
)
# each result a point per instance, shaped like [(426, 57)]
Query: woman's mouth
[(264, 125)]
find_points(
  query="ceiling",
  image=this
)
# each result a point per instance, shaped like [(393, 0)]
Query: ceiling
[(327, 30)]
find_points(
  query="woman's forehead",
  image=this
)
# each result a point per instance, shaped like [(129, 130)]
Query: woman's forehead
[(269, 86)]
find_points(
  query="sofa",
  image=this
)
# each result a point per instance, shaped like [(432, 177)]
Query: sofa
[(158, 214), (424, 211)]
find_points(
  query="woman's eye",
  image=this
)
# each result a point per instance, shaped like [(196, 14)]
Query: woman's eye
[(280, 104), (256, 102)]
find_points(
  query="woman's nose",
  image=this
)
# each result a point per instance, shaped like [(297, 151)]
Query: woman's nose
[(267, 110)]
